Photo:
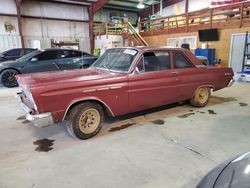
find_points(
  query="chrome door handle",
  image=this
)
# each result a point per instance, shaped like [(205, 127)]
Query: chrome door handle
[(174, 72)]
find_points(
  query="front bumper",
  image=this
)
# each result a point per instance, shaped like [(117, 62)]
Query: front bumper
[(39, 120), (231, 83)]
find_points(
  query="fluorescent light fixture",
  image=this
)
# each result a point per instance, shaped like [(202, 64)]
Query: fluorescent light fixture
[(140, 5)]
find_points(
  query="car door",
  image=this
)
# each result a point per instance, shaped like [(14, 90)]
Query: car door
[(153, 83), (69, 59), (189, 76), (42, 62)]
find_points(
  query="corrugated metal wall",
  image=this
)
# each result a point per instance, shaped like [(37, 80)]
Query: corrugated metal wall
[(9, 41)]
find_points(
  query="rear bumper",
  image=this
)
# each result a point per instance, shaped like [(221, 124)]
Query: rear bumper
[(231, 83), (39, 120)]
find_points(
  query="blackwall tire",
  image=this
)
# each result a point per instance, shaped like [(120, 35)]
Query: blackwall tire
[(7, 78), (85, 120), (201, 97)]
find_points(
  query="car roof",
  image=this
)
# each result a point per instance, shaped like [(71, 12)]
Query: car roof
[(149, 48)]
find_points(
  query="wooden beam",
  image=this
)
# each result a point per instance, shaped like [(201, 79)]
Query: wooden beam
[(19, 19)]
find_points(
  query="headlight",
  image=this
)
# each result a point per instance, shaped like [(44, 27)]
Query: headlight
[(29, 95)]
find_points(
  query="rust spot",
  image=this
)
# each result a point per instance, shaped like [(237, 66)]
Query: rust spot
[(186, 115), (158, 122), (121, 127), (44, 145), (243, 104), (212, 112)]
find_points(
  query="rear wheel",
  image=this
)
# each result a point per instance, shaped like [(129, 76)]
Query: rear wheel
[(8, 79), (201, 97), (85, 120)]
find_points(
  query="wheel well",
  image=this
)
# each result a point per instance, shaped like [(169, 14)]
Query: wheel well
[(11, 69), (105, 108)]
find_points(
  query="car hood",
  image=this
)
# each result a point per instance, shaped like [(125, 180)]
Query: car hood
[(231, 174), (64, 77)]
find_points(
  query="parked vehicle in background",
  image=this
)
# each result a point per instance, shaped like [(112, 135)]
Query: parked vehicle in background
[(234, 173), (204, 60), (121, 81), (15, 53), (42, 61)]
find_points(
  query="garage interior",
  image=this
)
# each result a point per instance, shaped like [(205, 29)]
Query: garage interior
[(173, 145)]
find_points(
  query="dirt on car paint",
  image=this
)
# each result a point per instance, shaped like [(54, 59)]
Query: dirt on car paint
[(158, 122), (186, 115), (44, 145), (21, 118), (243, 104), (212, 112), (121, 127)]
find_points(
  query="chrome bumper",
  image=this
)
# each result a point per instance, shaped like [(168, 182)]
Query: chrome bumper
[(231, 83), (39, 120)]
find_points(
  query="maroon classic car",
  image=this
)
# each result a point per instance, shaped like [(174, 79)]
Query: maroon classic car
[(121, 81)]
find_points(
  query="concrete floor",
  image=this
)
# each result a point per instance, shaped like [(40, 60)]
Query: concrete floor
[(176, 154)]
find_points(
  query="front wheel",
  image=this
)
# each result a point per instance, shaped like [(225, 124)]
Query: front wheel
[(8, 79), (201, 97), (85, 120)]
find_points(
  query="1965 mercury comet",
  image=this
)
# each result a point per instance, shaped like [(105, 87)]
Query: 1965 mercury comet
[(121, 81)]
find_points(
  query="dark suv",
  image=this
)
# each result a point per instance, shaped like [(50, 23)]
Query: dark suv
[(15, 53)]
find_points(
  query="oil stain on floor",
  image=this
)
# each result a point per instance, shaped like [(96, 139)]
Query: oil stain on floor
[(44, 145), (212, 112), (121, 127), (229, 99), (186, 115), (25, 122), (243, 104), (21, 118), (158, 122)]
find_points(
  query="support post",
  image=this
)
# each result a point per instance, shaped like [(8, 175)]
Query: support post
[(186, 14), (19, 19), (92, 10), (91, 28)]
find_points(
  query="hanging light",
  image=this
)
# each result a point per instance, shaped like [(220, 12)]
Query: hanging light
[(140, 5)]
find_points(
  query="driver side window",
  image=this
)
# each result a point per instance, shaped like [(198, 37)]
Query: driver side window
[(49, 55)]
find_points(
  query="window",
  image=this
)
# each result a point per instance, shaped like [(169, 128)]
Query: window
[(180, 61), (14, 52), (116, 59), (155, 61), (47, 55), (71, 53), (26, 51)]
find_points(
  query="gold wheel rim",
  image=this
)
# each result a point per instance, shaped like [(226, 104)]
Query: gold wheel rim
[(89, 121), (202, 95)]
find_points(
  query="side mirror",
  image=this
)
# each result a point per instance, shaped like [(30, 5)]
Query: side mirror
[(34, 59)]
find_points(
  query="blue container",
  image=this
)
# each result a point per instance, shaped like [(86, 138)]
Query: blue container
[(209, 53)]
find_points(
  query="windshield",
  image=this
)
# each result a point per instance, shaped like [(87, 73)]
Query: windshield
[(116, 60), (29, 56)]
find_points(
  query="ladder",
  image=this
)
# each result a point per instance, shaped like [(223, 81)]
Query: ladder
[(246, 55)]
